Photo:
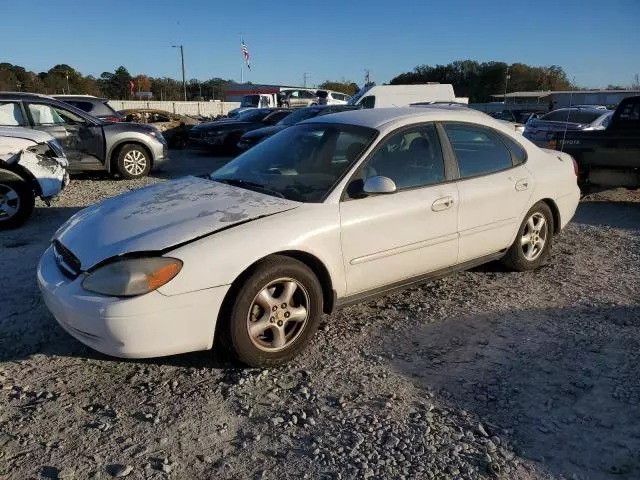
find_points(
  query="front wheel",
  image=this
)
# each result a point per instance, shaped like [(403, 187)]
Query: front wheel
[(16, 200), (275, 313), (133, 161), (532, 245)]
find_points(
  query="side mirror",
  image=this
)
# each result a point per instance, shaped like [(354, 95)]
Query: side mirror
[(379, 184)]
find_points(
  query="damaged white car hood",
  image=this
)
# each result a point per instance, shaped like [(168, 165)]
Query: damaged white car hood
[(161, 216)]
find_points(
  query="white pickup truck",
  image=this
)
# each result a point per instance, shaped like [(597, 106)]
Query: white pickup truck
[(32, 163)]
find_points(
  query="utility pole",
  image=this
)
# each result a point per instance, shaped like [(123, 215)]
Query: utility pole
[(305, 76), (367, 77), (68, 88), (506, 82), (184, 82)]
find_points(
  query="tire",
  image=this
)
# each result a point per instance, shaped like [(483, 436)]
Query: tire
[(17, 200), (285, 105), (133, 161), (527, 253), (259, 303)]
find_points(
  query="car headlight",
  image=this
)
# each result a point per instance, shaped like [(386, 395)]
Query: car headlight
[(213, 133), (133, 276)]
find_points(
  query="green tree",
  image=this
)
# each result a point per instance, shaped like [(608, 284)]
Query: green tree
[(479, 81)]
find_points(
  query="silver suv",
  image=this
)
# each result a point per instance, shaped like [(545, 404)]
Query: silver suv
[(297, 98), (128, 149)]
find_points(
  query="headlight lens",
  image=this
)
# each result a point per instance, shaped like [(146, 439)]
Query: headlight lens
[(132, 277)]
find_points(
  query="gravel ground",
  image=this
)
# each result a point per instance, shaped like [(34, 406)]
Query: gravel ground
[(484, 374)]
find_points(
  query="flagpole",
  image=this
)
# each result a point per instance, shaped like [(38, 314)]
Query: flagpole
[(241, 64)]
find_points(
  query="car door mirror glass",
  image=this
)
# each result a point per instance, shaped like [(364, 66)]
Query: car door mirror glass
[(379, 184)]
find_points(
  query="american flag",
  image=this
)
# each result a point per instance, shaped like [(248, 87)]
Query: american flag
[(245, 54)]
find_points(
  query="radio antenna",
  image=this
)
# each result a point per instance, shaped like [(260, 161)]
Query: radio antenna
[(566, 123)]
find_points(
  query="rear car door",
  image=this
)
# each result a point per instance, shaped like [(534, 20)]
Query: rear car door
[(494, 187), (82, 139), (394, 237)]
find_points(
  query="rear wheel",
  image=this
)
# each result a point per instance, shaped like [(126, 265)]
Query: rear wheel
[(532, 245), (275, 313), (133, 161), (16, 200)]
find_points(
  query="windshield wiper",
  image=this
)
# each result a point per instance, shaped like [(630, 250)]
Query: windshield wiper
[(236, 182)]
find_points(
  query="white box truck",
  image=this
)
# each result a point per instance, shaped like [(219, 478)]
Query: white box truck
[(402, 95)]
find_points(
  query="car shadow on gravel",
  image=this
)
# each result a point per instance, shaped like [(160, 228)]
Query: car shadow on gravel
[(562, 385), (624, 215)]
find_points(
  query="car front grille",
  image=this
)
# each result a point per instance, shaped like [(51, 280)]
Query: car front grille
[(67, 262)]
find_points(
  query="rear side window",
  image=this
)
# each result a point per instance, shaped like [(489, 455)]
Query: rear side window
[(11, 114), (571, 116), (368, 102), (479, 150), (518, 152)]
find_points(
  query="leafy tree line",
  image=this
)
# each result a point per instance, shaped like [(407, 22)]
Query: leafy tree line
[(479, 81), (115, 85)]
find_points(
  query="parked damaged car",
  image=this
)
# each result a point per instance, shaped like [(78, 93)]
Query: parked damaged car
[(32, 164), (128, 149), (174, 127), (329, 212), (222, 136)]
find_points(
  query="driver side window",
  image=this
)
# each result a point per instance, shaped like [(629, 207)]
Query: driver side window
[(44, 115), (411, 158), (48, 115)]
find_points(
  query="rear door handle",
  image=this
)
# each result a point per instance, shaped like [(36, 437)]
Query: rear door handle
[(444, 203), (522, 184)]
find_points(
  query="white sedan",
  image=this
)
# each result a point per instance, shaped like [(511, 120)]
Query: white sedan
[(332, 211)]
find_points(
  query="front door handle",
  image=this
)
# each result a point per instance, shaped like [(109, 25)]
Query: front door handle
[(444, 203), (522, 184)]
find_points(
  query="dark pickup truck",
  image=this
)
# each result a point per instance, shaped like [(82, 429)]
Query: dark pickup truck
[(607, 158)]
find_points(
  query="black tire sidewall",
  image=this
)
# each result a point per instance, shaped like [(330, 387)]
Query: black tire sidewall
[(264, 273), (515, 258), (27, 202), (121, 154)]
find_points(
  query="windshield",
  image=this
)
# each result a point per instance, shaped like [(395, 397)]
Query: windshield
[(250, 101), (253, 115), (358, 95), (300, 115), (302, 163)]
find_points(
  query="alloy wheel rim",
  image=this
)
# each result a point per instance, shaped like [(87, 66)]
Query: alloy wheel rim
[(534, 236), (278, 315), (135, 162), (9, 202)]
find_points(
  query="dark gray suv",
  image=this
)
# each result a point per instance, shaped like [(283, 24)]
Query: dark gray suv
[(94, 106), (128, 149)]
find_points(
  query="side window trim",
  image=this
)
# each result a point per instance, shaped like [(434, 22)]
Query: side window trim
[(450, 164), (445, 140)]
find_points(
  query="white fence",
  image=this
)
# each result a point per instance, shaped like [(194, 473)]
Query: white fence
[(206, 109)]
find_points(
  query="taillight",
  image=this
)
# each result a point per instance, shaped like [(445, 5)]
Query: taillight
[(113, 118), (575, 166)]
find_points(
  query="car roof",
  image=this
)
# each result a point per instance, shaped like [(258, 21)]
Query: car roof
[(86, 98), (27, 133), (377, 117), (22, 95)]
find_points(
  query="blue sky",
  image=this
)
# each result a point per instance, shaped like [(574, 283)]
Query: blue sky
[(596, 42)]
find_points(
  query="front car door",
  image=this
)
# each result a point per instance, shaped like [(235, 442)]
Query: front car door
[(81, 138), (494, 187), (389, 238)]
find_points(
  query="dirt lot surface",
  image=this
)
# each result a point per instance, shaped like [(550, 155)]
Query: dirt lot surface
[(485, 374)]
